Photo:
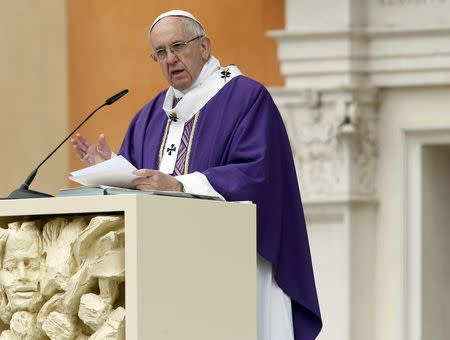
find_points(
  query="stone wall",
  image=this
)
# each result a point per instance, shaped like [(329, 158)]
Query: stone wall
[(361, 78)]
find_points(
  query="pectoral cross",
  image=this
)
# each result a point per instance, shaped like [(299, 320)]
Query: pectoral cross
[(173, 117), (171, 149), (225, 74)]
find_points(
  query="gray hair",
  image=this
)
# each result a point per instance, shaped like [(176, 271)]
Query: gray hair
[(192, 26)]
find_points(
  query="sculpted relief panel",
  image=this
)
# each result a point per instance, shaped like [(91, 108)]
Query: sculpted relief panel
[(334, 144), (63, 278)]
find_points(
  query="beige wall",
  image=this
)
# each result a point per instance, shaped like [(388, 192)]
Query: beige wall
[(400, 109), (33, 92)]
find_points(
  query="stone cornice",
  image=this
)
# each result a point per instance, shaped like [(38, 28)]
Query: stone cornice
[(359, 32), (377, 57), (289, 34), (311, 97)]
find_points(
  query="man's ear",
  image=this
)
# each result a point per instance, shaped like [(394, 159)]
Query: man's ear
[(205, 45)]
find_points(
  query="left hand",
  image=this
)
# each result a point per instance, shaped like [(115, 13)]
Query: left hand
[(156, 180), (90, 153)]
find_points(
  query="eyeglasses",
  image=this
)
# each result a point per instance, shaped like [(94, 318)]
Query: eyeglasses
[(176, 48)]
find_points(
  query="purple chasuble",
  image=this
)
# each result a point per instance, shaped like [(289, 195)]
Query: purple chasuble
[(241, 146)]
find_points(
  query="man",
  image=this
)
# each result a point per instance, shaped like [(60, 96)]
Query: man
[(217, 132), (22, 255)]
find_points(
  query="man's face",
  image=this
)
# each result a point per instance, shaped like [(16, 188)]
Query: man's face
[(183, 70), (21, 271)]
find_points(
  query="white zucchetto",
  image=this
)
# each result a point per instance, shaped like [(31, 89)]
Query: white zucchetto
[(174, 13)]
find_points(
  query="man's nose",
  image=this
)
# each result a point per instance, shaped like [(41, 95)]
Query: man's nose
[(171, 57), (21, 271)]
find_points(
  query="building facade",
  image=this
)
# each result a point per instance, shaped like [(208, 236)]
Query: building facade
[(367, 106)]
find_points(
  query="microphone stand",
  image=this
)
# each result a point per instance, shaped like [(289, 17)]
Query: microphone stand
[(23, 191)]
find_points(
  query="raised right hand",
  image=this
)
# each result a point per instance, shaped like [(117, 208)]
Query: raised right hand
[(90, 153)]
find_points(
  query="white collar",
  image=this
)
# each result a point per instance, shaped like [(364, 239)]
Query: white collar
[(210, 66), (208, 83)]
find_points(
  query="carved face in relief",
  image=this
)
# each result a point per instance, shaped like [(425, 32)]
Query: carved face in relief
[(21, 267)]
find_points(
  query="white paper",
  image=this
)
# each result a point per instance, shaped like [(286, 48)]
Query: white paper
[(116, 171)]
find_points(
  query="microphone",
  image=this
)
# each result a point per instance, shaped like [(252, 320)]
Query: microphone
[(116, 97), (23, 191)]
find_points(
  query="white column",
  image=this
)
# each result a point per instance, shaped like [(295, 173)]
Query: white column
[(333, 134)]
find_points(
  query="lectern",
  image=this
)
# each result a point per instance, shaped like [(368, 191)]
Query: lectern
[(190, 264)]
